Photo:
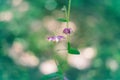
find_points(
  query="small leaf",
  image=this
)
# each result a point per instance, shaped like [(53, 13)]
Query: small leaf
[(62, 20), (52, 76), (73, 51)]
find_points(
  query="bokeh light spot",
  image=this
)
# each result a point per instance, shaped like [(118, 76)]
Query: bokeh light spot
[(48, 67), (50, 4)]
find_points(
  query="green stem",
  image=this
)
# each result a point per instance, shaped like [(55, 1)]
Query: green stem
[(69, 7), (68, 18), (59, 66), (67, 15)]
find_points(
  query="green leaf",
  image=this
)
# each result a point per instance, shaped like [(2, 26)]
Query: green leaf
[(62, 20), (52, 76), (73, 51)]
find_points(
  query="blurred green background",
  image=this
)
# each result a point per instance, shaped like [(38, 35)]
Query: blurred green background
[(25, 53)]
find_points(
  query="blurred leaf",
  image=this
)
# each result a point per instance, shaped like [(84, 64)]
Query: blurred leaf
[(52, 76), (62, 20), (72, 50)]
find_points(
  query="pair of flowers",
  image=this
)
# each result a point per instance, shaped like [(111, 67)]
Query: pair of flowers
[(58, 38)]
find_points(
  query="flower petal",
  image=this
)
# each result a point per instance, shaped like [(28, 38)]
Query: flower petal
[(55, 38)]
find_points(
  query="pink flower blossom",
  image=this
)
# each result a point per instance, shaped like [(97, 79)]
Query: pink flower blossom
[(67, 30)]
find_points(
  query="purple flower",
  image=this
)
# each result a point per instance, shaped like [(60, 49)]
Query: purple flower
[(67, 30), (55, 38)]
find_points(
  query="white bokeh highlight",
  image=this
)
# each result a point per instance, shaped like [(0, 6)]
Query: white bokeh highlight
[(48, 67), (112, 64), (83, 60)]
